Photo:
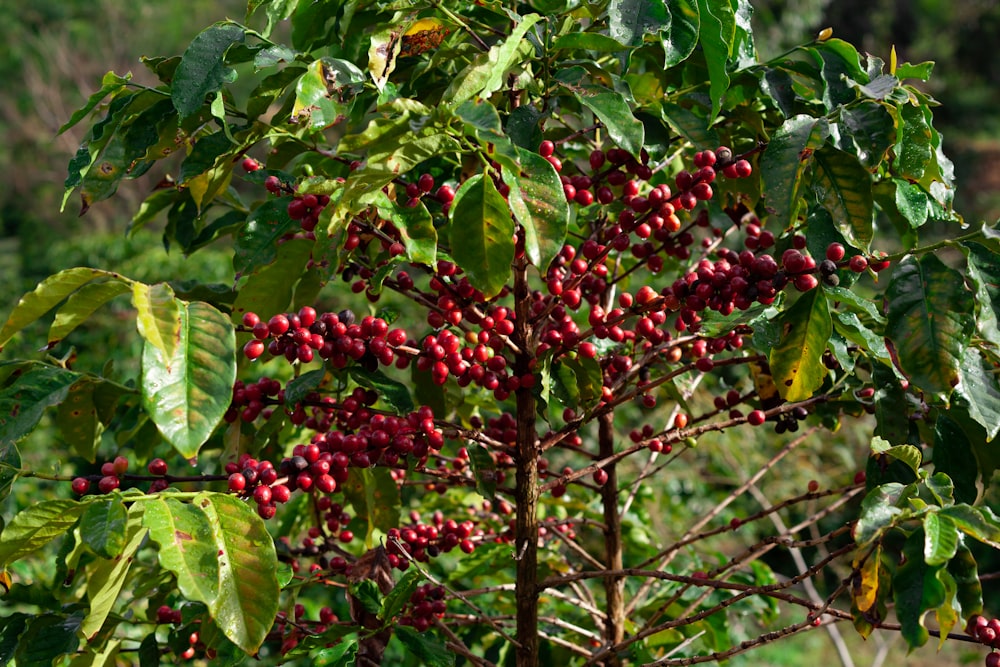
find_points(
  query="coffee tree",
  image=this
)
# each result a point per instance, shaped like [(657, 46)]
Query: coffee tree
[(499, 267)]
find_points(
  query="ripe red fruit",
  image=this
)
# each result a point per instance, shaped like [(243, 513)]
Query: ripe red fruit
[(80, 485), (756, 417), (993, 659), (249, 164), (858, 264), (742, 169), (425, 182), (600, 476), (835, 252), (280, 493), (445, 194), (546, 149), (120, 465), (237, 482), (345, 536), (157, 467), (108, 484), (681, 420), (250, 319), (813, 486), (278, 325), (805, 282), (262, 495), (253, 349), (273, 184)]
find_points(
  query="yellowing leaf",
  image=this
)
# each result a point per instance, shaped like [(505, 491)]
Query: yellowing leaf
[(865, 589)]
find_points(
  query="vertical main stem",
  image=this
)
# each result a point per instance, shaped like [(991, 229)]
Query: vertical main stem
[(614, 586), (526, 481)]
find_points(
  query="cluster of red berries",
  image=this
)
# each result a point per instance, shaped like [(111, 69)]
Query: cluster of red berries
[(421, 541), (332, 336), (166, 615), (109, 480), (425, 604), (987, 632)]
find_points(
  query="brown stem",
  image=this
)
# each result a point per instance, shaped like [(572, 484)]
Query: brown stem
[(526, 481), (614, 586)]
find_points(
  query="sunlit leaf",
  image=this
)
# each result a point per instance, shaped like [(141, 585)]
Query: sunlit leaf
[(783, 162), (844, 188), (796, 362), (35, 526), (481, 234)]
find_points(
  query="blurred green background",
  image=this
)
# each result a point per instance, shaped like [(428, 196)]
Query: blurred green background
[(54, 53)]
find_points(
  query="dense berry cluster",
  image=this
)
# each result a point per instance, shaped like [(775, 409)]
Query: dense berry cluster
[(425, 604), (986, 631)]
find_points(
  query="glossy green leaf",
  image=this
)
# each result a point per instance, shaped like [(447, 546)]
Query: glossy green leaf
[(796, 361), (979, 388), (188, 393), (48, 637), (399, 596), (10, 466), (629, 21), (680, 37), (324, 94), (969, 591), (22, 402), (892, 421), (158, 316), (338, 655), (202, 70), (47, 295), (877, 512), (269, 288), (977, 522), (576, 383), (481, 234), (11, 627), (930, 319), (941, 487), (391, 391), (102, 526), (840, 63), (35, 526), (416, 228), (914, 148), (691, 126), (954, 456), (82, 303), (984, 271), (120, 535), (715, 35), (916, 590), (485, 470), (298, 388), (783, 162), (426, 647), (374, 496), (111, 84), (488, 73), (257, 243), (588, 41), (539, 205), (872, 130), (911, 202), (610, 107), (224, 557), (843, 187), (940, 539)]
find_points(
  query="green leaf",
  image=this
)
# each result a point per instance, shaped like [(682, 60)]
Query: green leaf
[(979, 386), (111, 84), (977, 522), (158, 316), (844, 188), (680, 37), (11, 627), (298, 388), (916, 590), (202, 70), (269, 288), (399, 596), (416, 228), (840, 64), (911, 202), (629, 21), (930, 319), (374, 496), (871, 128), (81, 304), (940, 539), (892, 421), (106, 577), (426, 647), (47, 295), (49, 636), (102, 526), (610, 107), (984, 271), (224, 557), (188, 393), (691, 126), (539, 205), (324, 94), (488, 73), (914, 148), (964, 570), (481, 234), (716, 34), (878, 512), (392, 392), (257, 244), (588, 41), (484, 468), (954, 456), (783, 162), (35, 526), (796, 361), (22, 402), (339, 655), (576, 382), (10, 466)]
